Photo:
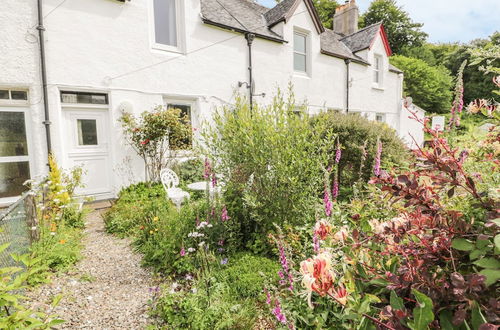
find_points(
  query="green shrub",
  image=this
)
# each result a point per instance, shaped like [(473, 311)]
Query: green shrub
[(134, 204), (247, 275), (271, 161), (189, 171), (353, 131), (196, 310)]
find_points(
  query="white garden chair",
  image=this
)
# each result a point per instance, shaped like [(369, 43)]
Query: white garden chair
[(170, 181)]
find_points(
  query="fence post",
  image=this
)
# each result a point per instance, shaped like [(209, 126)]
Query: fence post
[(31, 217)]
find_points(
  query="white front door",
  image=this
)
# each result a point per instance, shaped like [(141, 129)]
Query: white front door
[(87, 145)]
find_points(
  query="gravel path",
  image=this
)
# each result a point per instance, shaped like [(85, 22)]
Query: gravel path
[(107, 290)]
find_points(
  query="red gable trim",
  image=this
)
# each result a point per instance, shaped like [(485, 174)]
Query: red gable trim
[(383, 35)]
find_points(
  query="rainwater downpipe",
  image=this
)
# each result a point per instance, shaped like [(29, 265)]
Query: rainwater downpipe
[(250, 37), (347, 83), (43, 68)]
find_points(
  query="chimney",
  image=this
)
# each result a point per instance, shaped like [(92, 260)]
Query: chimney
[(345, 20)]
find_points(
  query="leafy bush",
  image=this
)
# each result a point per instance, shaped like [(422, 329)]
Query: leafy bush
[(189, 171), (270, 160), (134, 204), (355, 133), (430, 87), (246, 275)]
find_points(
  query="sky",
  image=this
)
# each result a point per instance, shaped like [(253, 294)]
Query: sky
[(446, 20)]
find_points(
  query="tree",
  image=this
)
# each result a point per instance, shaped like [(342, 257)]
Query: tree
[(155, 136), (401, 30), (430, 87), (326, 10)]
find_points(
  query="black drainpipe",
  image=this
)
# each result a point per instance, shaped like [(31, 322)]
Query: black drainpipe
[(43, 68), (347, 61), (250, 37)]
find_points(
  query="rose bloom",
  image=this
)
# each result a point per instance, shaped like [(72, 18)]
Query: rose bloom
[(322, 229)]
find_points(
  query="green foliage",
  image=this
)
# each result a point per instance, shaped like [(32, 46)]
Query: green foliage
[(326, 10), (246, 275), (422, 313), (428, 86), (13, 314), (401, 30), (155, 135), (189, 171), (271, 161), (134, 204), (195, 310), (353, 131)]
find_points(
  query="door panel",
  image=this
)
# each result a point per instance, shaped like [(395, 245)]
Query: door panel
[(87, 145)]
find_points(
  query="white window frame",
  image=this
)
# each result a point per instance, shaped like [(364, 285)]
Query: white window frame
[(306, 34), (378, 71), (189, 102), (21, 106), (382, 115), (180, 48)]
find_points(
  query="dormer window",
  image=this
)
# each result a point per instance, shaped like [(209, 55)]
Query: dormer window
[(377, 70), (167, 19)]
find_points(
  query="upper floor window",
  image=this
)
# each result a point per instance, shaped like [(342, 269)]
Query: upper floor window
[(377, 69), (300, 52), (166, 22)]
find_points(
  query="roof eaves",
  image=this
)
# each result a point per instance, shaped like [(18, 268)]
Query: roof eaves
[(235, 29)]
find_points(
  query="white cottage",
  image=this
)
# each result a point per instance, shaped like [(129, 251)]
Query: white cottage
[(70, 67)]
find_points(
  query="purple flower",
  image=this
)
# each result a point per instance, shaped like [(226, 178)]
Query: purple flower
[(183, 252), (316, 242), (338, 153), (277, 312), (220, 250), (214, 180), (283, 260), (335, 190), (281, 275), (327, 202), (208, 169), (224, 216), (223, 261), (268, 296), (376, 167)]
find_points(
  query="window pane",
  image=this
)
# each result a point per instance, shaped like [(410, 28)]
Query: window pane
[(299, 43), (19, 95), (12, 134), (165, 22), (12, 177), (4, 94), (299, 62), (98, 99), (185, 111), (87, 132), (376, 76)]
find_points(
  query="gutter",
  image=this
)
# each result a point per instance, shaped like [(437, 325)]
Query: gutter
[(355, 60), (250, 37), (347, 62), (43, 68)]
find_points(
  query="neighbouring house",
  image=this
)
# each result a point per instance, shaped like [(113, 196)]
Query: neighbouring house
[(94, 59)]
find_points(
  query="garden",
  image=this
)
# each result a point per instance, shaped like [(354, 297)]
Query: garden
[(324, 222)]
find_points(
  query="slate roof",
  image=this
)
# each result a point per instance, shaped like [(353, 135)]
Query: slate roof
[(239, 15), (278, 12), (361, 39), (248, 16)]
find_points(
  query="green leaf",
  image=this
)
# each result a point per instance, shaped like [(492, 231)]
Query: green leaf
[(462, 244), (56, 300), (4, 246), (396, 302), (477, 317), (490, 263), (379, 282), (476, 254), (422, 313), (445, 320), (492, 275), (497, 241)]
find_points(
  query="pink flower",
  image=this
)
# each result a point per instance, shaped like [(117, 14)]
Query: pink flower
[(278, 313), (327, 202), (268, 296), (340, 295), (335, 190), (224, 216), (145, 142), (322, 229), (338, 153), (316, 242), (183, 252), (208, 169)]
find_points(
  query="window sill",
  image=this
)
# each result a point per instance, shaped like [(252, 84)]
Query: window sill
[(300, 74), (377, 87), (167, 49)]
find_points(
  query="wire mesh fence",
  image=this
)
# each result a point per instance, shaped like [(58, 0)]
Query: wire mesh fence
[(18, 227)]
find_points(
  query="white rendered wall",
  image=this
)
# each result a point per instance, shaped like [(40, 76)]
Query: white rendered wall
[(105, 46)]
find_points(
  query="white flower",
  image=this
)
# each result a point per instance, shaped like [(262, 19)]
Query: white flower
[(52, 233), (191, 249), (201, 244), (194, 290), (33, 228), (209, 225)]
